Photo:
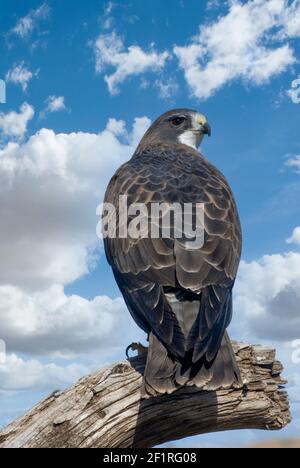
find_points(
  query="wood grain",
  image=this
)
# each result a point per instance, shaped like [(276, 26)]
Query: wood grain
[(105, 409)]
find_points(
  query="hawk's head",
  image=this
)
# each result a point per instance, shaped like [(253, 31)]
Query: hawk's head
[(180, 125)]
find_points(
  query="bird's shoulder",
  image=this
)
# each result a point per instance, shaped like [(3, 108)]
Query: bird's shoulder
[(171, 171)]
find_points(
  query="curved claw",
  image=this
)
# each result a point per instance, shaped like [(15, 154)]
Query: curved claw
[(136, 347), (129, 348)]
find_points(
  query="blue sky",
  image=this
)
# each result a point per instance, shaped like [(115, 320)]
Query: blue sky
[(84, 80)]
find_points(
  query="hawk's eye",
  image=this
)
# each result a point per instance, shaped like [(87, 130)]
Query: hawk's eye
[(176, 121)]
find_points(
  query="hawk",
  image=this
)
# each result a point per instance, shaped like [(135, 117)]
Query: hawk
[(181, 296)]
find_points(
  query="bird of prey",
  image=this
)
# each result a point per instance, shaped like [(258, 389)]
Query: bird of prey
[(181, 296)]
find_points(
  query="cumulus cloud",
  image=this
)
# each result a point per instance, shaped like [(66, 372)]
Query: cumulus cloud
[(294, 92), (27, 24), (19, 374), (50, 187), (14, 124), (111, 52), (20, 75), (48, 322), (295, 238), (267, 296), (248, 43)]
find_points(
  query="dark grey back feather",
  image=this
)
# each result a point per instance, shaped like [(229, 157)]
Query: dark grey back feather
[(182, 297)]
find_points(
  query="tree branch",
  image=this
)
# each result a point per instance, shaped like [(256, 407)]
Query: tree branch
[(105, 409)]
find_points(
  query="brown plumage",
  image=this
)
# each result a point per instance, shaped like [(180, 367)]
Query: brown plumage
[(181, 297)]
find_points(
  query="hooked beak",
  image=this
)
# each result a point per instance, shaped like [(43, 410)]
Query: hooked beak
[(206, 129), (202, 125)]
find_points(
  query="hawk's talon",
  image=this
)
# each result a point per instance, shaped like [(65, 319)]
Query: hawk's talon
[(136, 347)]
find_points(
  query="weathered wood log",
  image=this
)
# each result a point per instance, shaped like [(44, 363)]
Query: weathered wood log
[(105, 409)]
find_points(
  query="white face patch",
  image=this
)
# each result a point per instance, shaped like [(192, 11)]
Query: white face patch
[(189, 138), (192, 138)]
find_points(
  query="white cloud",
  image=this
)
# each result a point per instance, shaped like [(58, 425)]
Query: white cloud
[(246, 44), (111, 53), (48, 322), (27, 24), (294, 163), (54, 104), (295, 238), (14, 124), (291, 19), (18, 374), (267, 295), (294, 92), (107, 20), (50, 187), (20, 75), (117, 127)]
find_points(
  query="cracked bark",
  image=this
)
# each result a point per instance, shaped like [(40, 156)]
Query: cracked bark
[(105, 409)]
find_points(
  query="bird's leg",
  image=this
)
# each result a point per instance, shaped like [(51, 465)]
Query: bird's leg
[(141, 350)]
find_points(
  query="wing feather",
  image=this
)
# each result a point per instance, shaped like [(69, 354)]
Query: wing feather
[(146, 269)]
